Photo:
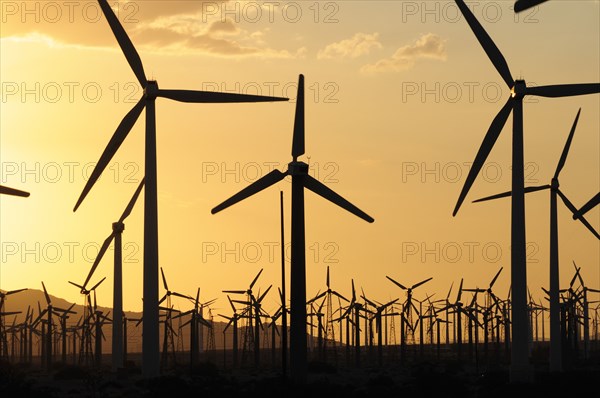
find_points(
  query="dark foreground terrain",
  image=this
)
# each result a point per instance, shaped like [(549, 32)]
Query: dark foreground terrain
[(425, 379)]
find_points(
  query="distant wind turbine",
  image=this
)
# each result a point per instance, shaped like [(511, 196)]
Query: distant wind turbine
[(520, 368), (118, 353), (150, 336), (298, 170)]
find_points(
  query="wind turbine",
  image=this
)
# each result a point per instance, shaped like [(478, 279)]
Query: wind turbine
[(3, 343), (520, 368), (522, 5), (587, 207), (298, 170), (555, 192), (408, 304), (328, 325), (13, 192), (150, 337), (118, 356)]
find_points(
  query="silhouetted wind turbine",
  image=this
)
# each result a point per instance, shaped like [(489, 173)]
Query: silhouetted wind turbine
[(520, 369), (150, 337), (408, 304), (587, 207), (522, 5), (298, 170), (555, 192), (13, 192), (118, 356)]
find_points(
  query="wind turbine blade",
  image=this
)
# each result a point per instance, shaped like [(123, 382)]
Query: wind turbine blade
[(321, 189), (234, 291), (460, 289), (129, 207), (397, 283), (255, 278), (368, 301), (568, 203), (211, 97), (231, 303), (13, 192), (14, 291), (522, 5), (103, 249), (420, 283), (485, 149), (574, 276), (565, 152), (587, 207), (76, 285), (353, 292), (262, 296), (487, 43), (164, 279), (564, 90), (181, 295), (115, 142), (388, 304), (132, 56), (46, 294), (269, 179), (509, 193), (298, 139), (340, 296), (449, 291), (327, 281), (496, 277), (579, 275), (318, 296), (97, 284)]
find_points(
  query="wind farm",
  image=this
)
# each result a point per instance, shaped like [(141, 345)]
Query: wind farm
[(425, 289)]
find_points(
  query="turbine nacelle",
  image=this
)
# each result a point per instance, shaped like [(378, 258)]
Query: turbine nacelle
[(554, 185), (297, 168), (118, 227), (151, 90), (519, 89)]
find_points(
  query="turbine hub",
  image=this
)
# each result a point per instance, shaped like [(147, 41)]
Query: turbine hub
[(151, 90), (297, 168), (554, 184), (118, 227), (519, 89)]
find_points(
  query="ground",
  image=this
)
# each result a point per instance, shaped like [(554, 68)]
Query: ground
[(449, 379)]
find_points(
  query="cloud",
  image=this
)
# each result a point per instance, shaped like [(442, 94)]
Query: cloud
[(427, 46), (174, 27), (359, 44)]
